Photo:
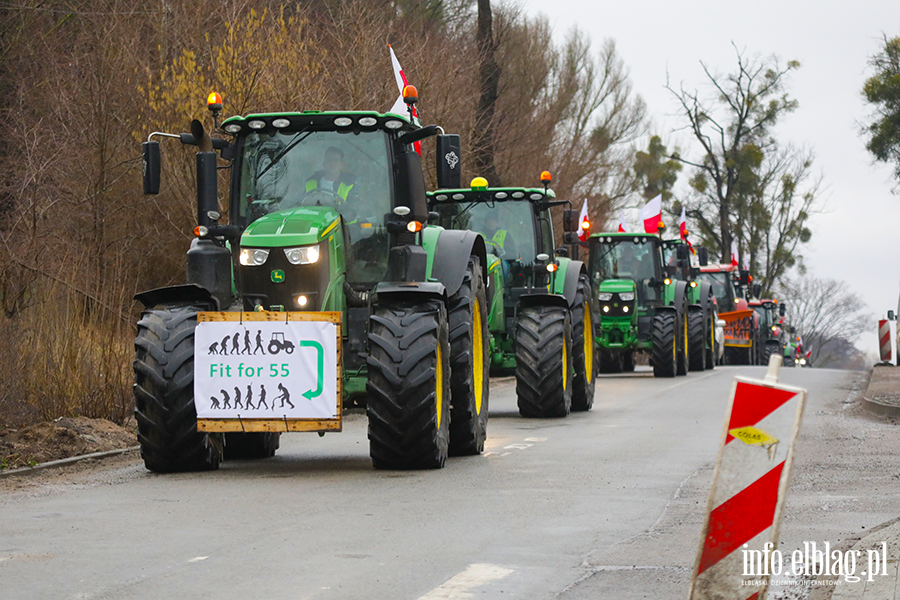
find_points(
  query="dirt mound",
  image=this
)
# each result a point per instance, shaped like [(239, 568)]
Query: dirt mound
[(61, 438)]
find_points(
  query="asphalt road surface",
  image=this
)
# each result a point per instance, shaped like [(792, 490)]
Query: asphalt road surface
[(604, 504)]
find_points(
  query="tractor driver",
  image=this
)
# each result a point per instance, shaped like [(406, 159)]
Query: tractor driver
[(332, 178), (502, 243)]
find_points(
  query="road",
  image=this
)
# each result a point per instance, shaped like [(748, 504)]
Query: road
[(605, 504)]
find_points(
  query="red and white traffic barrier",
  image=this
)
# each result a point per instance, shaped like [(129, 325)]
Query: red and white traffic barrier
[(750, 482), (884, 339)]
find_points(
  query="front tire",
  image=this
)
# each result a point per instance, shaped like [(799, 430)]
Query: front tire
[(665, 344), (469, 364), (255, 444), (409, 386), (544, 369), (164, 394), (583, 383), (771, 348)]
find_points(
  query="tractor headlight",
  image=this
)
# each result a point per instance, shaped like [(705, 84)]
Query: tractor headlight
[(802, 361), (626, 296), (604, 297), (253, 257), (305, 255)]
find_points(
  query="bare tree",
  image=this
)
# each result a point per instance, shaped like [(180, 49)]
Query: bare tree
[(747, 186), (823, 311)]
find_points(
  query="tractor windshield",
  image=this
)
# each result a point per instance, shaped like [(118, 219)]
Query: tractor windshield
[(721, 288), (626, 258), (507, 227), (346, 171)]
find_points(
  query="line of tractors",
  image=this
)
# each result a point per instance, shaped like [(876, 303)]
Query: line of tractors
[(435, 291)]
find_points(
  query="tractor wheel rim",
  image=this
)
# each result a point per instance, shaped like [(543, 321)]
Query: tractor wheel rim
[(565, 364), (588, 344), (478, 356), (439, 385)]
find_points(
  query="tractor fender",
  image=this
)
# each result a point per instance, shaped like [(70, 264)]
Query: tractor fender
[(409, 291), (542, 299), (680, 300), (574, 270), (451, 257), (190, 293)]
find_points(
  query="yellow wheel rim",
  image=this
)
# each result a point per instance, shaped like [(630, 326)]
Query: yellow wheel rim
[(685, 336), (588, 344), (712, 334), (478, 356), (565, 364), (674, 346), (439, 385)]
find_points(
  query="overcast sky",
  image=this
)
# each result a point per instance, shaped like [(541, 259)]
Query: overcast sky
[(857, 239)]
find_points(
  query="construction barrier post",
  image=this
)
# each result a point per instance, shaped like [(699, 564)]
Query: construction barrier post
[(739, 544), (884, 340)]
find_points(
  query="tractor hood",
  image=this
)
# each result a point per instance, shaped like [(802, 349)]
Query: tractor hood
[(617, 286), (301, 226)]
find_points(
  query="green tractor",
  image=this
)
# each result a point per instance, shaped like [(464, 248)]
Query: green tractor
[(540, 305), (327, 216), (642, 307), (703, 313)]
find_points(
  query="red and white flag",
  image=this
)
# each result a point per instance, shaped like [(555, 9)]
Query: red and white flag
[(399, 107), (746, 262), (682, 227), (622, 227), (584, 232), (651, 215), (734, 253)]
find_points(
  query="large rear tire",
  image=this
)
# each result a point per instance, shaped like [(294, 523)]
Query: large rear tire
[(583, 383), (409, 385), (469, 364), (683, 344), (164, 394), (544, 369), (255, 444), (696, 340), (665, 344), (710, 337)]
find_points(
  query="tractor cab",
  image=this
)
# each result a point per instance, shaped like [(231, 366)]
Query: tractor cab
[(722, 280), (627, 260)]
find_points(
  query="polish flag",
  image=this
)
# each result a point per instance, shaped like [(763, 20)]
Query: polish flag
[(746, 262), (399, 107), (651, 215), (583, 231), (734, 253), (682, 227), (622, 227)]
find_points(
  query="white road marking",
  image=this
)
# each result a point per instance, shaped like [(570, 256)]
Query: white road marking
[(517, 446), (535, 439), (506, 454), (458, 586), (488, 453), (197, 559), (2, 558)]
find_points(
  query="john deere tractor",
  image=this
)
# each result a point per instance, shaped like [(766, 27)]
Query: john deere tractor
[(642, 308), (540, 305), (327, 217), (772, 333), (703, 313)]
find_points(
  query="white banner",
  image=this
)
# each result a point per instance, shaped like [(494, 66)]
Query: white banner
[(265, 370)]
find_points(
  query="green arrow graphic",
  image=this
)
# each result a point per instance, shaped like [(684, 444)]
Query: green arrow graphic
[(320, 369)]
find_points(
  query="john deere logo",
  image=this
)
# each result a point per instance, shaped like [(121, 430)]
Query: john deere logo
[(277, 276)]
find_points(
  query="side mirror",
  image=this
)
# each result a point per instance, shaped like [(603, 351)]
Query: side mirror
[(757, 289), (745, 277), (682, 252), (891, 315), (418, 134), (570, 237), (782, 310), (151, 167), (703, 256), (562, 251), (448, 162), (570, 220), (793, 330)]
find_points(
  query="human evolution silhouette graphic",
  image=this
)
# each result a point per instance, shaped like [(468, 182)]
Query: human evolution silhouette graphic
[(235, 402), (230, 345)]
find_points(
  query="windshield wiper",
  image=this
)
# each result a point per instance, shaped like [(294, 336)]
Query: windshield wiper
[(297, 139)]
